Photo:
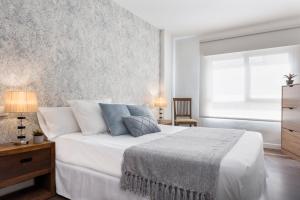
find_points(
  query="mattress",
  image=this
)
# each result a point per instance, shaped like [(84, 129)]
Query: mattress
[(242, 171)]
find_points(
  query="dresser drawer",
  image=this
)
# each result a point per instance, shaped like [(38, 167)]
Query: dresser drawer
[(290, 118), (24, 163), (291, 96), (291, 141)]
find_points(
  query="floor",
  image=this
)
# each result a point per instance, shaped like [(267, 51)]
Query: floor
[(283, 181), (283, 177)]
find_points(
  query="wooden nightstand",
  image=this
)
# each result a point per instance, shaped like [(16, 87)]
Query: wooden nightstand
[(165, 121), (20, 163)]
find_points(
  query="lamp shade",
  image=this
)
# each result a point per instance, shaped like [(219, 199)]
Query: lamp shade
[(20, 102), (160, 102)]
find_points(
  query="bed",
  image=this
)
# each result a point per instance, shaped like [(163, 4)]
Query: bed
[(89, 167)]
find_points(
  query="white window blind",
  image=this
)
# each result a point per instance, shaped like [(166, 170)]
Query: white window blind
[(244, 85)]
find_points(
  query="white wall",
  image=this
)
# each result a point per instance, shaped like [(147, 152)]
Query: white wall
[(187, 71), (166, 70), (188, 68)]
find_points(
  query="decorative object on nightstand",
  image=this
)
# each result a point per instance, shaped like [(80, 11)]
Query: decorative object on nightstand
[(20, 102), (26, 162), (160, 103), (38, 136), (183, 112), (290, 79)]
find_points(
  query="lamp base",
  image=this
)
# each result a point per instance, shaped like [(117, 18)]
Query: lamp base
[(22, 140), (161, 114), (21, 143), (21, 137)]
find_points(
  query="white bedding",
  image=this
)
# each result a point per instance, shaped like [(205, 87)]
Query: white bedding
[(242, 170)]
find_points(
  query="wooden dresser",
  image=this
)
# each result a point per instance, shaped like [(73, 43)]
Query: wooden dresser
[(290, 128)]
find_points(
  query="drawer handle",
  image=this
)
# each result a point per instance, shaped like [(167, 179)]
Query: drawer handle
[(289, 107), (290, 130), (25, 160)]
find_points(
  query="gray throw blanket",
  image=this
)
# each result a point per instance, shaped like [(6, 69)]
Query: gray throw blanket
[(180, 166)]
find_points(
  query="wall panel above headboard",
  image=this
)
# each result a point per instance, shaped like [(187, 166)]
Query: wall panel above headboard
[(76, 49)]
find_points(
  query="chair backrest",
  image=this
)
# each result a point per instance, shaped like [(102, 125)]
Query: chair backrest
[(182, 107)]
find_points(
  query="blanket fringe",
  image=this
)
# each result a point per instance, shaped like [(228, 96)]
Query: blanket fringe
[(159, 191)]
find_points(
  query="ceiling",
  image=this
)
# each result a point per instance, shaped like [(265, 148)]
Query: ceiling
[(203, 17)]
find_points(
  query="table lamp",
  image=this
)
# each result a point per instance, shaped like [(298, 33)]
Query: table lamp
[(160, 103), (20, 102)]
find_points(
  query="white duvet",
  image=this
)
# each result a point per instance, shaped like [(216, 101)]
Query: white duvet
[(242, 171)]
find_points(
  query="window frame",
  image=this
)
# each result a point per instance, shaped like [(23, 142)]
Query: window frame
[(247, 82), (246, 57)]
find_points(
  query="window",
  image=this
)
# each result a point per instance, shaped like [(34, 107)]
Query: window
[(244, 85), (262, 67), (232, 73)]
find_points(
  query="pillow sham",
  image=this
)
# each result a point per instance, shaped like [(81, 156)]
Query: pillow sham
[(140, 110), (89, 115), (141, 125), (113, 115), (55, 121)]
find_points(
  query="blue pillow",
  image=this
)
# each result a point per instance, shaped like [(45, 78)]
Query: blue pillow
[(140, 110), (113, 116), (140, 125)]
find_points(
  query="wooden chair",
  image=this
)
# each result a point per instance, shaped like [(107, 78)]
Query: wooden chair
[(183, 112)]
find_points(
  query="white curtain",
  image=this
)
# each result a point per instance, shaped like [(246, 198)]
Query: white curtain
[(246, 85)]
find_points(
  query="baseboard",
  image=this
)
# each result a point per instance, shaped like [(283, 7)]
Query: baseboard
[(272, 146)]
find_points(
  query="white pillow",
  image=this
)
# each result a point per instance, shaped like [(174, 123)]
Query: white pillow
[(55, 121), (89, 115)]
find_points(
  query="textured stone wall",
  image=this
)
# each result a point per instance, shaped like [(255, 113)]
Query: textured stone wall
[(75, 49)]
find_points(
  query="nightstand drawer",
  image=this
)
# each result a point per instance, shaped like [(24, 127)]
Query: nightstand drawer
[(24, 163)]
